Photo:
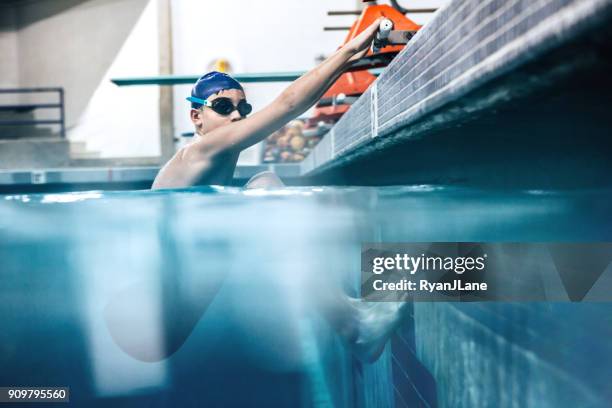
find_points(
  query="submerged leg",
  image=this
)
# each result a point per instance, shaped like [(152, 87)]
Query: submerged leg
[(265, 179)]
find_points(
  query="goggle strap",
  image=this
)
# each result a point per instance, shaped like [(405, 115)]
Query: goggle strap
[(197, 100)]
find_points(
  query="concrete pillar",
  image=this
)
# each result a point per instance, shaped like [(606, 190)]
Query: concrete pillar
[(166, 110)]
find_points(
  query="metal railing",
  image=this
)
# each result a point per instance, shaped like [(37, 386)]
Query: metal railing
[(29, 107)]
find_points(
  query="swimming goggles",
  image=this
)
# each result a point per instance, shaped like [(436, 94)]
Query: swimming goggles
[(224, 106)]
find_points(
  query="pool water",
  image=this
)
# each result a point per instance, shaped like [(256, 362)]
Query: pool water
[(208, 296)]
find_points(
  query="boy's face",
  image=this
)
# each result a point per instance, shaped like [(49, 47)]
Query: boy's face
[(205, 119)]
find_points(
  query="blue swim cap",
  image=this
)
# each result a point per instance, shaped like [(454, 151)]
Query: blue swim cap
[(210, 84)]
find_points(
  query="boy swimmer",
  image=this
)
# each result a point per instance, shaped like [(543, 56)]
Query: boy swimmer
[(219, 112)]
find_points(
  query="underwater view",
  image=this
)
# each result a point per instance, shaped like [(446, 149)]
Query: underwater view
[(218, 296)]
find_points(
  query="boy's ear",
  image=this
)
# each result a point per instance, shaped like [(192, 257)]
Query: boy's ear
[(196, 115)]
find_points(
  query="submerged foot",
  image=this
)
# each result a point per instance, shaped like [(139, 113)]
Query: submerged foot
[(377, 323)]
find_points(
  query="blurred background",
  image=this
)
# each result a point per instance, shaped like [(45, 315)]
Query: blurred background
[(59, 107)]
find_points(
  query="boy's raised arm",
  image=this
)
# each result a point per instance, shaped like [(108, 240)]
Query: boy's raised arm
[(293, 101)]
